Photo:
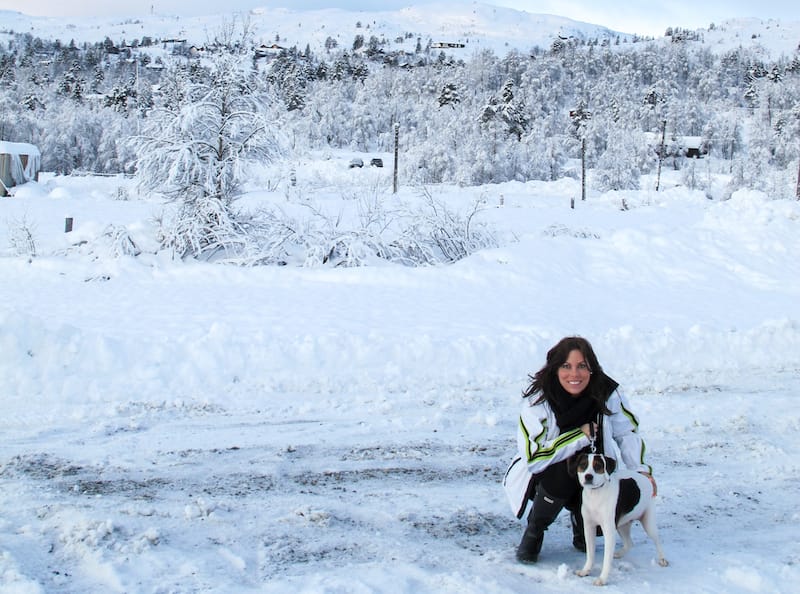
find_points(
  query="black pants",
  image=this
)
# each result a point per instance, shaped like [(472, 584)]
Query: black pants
[(558, 483)]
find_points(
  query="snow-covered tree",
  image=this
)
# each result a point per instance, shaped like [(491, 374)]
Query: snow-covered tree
[(72, 83), (508, 109), (617, 166), (738, 100), (196, 153), (449, 95)]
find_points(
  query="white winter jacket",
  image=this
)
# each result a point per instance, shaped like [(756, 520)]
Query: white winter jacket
[(540, 443)]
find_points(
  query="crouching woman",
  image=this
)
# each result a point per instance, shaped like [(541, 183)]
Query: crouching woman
[(569, 402)]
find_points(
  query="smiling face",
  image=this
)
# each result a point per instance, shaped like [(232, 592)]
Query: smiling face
[(574, 373)]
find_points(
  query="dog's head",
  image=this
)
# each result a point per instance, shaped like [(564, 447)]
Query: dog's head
[(592, 470)]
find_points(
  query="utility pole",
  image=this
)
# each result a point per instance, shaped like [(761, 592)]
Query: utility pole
[(580, 116), (396, 143), (583, 169), (138, 98), (797, 190), (661, 151)]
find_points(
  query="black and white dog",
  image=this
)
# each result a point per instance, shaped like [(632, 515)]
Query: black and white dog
[(613, 501)]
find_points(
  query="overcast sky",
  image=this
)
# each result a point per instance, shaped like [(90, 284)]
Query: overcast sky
[(630, 16)]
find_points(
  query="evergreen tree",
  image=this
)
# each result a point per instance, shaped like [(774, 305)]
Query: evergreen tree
[(507, 109), (449, 96)]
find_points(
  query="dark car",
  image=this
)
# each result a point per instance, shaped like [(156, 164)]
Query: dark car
[(376, 162)]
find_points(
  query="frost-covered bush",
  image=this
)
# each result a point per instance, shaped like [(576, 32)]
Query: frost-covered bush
[(119, 241), (21, 238), (449, 235), (425, 233), (205, 227)]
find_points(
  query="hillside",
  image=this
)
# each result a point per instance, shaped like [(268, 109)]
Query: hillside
[(497, 107), (477, 26)]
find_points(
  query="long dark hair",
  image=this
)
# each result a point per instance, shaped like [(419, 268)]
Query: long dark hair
[(545, 381)]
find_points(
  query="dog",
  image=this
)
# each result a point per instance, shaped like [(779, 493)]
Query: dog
[(612, 501)]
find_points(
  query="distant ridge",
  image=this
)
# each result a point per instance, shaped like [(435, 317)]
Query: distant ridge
[(476, 26)]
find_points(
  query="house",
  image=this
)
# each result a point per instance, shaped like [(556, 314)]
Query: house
[(692, 147), (19, 163), (447, 45), (265, 51)]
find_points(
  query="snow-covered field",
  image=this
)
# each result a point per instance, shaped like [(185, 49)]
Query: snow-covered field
[(191, 427)]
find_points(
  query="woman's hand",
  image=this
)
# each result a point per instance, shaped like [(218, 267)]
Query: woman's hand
[(652, 481), (589, 429)]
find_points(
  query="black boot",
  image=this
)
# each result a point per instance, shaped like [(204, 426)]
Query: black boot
[(530, 545), (545, 509)]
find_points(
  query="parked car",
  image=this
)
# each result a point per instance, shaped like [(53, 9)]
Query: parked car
[(376, 162), (356, 163)]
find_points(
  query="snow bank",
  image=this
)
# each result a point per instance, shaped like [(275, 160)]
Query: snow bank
[(183, 426)]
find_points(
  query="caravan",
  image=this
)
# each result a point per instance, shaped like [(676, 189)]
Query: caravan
[(19, 163)]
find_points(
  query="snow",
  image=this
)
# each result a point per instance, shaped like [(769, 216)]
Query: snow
[(17, 148), (480, 27), (191, 427)]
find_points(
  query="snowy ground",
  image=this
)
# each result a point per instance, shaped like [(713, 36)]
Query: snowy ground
[(189, 427)]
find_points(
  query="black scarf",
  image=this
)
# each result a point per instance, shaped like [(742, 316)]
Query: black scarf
[(572, 412)]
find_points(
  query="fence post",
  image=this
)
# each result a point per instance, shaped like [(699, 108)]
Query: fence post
[(68, 225)]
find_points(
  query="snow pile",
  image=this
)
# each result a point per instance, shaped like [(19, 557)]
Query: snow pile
[(187, 427)]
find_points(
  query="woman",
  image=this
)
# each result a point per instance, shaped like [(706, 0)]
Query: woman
[(569, 402)]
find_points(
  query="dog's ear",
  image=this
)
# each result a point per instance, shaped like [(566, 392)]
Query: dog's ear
[(611, 465), (572, 465)]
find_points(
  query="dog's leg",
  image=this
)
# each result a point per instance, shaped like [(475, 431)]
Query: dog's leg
[(649, 524), (610, 541), (625, 532), (589, 528)]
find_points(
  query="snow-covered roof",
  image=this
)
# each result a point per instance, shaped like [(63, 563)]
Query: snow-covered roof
[(684, 141), (691, 141), (17, 148)]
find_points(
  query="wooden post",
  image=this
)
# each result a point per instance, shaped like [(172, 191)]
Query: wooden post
[(396, 143), (67, 224)]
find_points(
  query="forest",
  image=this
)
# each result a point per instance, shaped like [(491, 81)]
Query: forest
[(626, 108)]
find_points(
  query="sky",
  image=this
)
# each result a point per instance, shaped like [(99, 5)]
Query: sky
[(650, 18)]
